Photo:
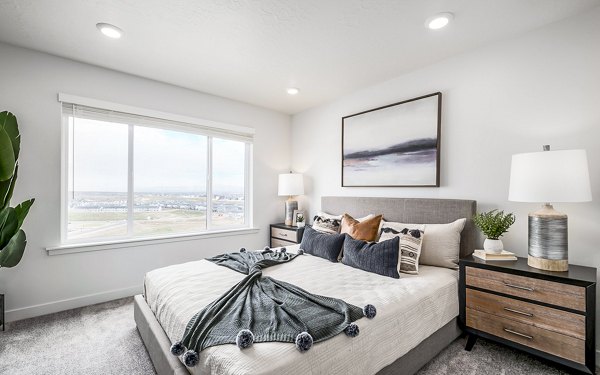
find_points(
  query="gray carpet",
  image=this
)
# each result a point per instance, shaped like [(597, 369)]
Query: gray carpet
[(487, 358), (99, 339), (102, 339)]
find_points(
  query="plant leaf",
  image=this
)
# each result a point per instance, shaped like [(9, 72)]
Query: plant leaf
[(8, 122), (12, 253), (8, 225), (7, 156), (22, 210), (6, 189)]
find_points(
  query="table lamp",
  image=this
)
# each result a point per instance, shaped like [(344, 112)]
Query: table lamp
[(290, 184), (549, 176)]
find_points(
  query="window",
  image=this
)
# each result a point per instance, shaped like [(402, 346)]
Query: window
[(134, 176)]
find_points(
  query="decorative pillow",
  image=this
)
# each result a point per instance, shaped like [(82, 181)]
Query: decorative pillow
[(327, 246), (377, 257), (441, 245), (365, 230), (326, 223), (409, 247)]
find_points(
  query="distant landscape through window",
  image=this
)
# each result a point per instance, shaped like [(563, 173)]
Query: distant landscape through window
[(129, 180)]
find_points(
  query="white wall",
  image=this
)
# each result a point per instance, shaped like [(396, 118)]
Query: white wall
[(29, 83), (510, 97)]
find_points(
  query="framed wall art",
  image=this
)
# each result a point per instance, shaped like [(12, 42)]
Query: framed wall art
[(393, 145)]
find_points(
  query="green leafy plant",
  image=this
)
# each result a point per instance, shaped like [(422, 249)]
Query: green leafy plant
[(494, 223), (12, 237), (300, 219)]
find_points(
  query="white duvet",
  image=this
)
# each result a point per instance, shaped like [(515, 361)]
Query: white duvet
[(409, 310)]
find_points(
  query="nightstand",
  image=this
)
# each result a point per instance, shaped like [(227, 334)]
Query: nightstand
[(548, 314), (285, 235)]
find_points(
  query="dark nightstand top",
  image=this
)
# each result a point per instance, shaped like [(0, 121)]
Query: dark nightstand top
[(585, 275), (288, 227)]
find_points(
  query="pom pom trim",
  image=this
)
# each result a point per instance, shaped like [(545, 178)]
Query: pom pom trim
[(178, 349), (352, 330), (244, 339), (191, 358), (369, 311), (304, 341)]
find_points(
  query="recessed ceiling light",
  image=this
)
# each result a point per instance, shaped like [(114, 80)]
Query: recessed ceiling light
[(109, 30), (292, 90), (439, 21)]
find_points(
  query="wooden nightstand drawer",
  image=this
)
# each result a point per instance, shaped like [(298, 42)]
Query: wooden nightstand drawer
[(559, 294), (279, 243), (284, 234), (547, 341), (548, 314), (548, 318)]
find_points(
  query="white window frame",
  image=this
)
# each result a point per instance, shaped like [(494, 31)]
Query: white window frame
[(76, 245)]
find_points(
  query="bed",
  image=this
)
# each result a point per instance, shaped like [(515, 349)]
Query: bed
[(416, 314)]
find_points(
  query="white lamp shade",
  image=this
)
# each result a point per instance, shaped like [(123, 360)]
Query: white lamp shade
[(291, 184), (550, 176)]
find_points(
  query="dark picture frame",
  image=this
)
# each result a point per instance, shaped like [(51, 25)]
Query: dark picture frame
[(396, 145)]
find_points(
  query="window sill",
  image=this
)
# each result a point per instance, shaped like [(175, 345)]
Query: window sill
[(134, 242)]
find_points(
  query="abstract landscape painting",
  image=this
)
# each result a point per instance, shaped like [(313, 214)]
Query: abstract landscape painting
[(395, 145)]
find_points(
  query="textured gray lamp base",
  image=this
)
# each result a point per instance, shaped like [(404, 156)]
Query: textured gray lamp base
[(290, 206), (548, 240)]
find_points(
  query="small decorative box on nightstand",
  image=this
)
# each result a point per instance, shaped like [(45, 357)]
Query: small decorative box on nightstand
[(285, 235), (549, 314)]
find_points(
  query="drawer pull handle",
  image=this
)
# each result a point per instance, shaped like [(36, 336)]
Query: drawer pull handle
[(283, 234), (518, 312), (518, 334), (519, 287)]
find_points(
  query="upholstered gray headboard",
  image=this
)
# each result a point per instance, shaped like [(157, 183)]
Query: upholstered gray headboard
[(411, 210)]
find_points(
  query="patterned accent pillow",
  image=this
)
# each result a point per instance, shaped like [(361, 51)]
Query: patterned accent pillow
[(377, 257), (326, 246), (326, 223), (409, 246)]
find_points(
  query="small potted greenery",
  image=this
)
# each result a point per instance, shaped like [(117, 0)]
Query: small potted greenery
[(300, 220), (493, 224)]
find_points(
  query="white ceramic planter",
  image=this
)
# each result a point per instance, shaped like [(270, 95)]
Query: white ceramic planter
[(300, 224), (493, 246)]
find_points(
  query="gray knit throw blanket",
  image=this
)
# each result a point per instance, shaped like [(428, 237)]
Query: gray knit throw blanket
[(261, 309)]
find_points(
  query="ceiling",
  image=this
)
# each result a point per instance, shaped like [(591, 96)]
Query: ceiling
[(252, 50)]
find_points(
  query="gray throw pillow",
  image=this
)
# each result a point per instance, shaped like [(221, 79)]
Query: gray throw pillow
[(377, 257), (327, 246)]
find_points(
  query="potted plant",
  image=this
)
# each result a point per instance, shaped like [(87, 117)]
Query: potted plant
[(493, 224), (12, 237), (300, 221)]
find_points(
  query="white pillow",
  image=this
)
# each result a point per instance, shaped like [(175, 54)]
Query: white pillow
[(441, 243)]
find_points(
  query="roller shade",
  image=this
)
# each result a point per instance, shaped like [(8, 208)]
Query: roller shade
[(210, 128)]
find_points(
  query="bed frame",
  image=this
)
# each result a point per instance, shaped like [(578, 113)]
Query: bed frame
[(405, 210)]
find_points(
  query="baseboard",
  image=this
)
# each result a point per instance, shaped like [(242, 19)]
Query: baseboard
[(70, 303), (597, 357)]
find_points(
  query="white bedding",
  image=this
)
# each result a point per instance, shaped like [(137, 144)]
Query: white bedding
[(409, 310)]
